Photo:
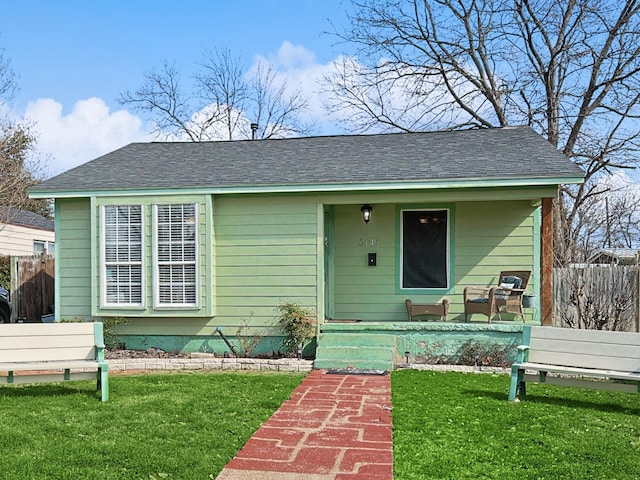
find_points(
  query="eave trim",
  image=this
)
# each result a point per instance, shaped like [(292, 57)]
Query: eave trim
[(315, 188)]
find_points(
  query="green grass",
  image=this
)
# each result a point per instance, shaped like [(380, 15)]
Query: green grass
[(189, 425), (175, 426), (461, 426)]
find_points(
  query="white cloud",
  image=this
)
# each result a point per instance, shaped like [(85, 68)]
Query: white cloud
[(89, 130), (294, 57), (622, 183), (416, 106), (300, 69)]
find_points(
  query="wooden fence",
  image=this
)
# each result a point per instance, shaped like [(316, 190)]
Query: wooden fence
[(599, 298), (32, 287)]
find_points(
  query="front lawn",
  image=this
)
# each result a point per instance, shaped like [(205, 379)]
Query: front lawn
[(189, 425), (170, 425), (461, 426)]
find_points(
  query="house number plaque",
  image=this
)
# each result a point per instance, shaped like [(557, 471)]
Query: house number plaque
[(368, 242)]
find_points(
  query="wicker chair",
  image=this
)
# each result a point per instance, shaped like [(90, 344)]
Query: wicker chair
[(506, 297)]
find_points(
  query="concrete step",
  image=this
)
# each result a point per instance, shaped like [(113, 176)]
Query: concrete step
[(364, 365), (339, 339), (362, 351), (357, 353)]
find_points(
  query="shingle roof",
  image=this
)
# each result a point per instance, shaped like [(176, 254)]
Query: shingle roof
[(623, 255), (24, 218), (501, 153)]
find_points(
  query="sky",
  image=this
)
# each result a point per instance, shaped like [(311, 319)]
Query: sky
[(73, 59)]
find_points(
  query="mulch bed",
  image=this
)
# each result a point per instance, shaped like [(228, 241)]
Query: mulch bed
[(148, 353)]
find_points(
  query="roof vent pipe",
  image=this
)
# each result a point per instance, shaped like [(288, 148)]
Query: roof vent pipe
[(254, 131)]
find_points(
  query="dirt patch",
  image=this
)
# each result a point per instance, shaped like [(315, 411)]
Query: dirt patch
[(159, 353)]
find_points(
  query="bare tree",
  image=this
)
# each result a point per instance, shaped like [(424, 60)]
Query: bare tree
[(162, 98), (8, 87), (568, 68), (225, 99), (20, 169), (275, 109), (623, 221), (596, 298), (608, 220), (20, 164), (224, 91)]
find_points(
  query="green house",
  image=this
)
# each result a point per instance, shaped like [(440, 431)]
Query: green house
[(183, 238)]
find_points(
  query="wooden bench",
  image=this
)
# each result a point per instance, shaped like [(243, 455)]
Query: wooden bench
[(53, 352), (571, 355), (417, 309)]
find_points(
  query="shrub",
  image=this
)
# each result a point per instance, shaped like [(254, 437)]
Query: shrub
[(5, 271), (111, 339), (298, 323)]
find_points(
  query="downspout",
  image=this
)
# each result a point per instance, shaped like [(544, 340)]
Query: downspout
[(233, 350)]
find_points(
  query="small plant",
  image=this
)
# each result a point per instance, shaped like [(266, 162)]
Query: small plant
[(298, 323), (111, 339), (470, 353), (479, 354), (249, 338)]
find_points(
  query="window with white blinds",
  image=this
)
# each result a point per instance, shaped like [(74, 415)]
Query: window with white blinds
[(122, 255), (176, 269)]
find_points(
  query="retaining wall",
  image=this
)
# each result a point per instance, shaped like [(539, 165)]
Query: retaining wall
[(210, 363)]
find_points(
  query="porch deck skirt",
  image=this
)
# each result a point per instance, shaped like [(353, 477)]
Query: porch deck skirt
[(389, 345)]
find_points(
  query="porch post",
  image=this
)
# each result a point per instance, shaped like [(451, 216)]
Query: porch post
[(546, 269)]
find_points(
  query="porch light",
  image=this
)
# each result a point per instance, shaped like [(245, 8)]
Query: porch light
[(366, 212)]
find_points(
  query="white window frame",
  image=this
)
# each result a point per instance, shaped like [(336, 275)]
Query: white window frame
[(48, 248), (158, 300), (105, 263), (44, 247)]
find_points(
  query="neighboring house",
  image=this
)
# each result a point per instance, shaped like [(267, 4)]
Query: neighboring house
[(182, 238), (25, 233), (615, 256)]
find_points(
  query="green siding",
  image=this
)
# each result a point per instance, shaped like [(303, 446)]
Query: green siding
[(267, 252), (487, 237), (73, 258), (490, 237), (258, 250), (364, 292)]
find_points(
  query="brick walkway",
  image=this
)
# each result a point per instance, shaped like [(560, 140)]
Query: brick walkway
[(334, 427)]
